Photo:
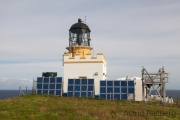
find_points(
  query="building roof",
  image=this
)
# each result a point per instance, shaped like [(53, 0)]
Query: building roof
[(130, 78), (80, 25)]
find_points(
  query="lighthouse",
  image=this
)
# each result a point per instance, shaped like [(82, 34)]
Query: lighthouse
[(79, 62)]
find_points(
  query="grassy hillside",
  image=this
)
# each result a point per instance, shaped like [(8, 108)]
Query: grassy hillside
[(44, 107)]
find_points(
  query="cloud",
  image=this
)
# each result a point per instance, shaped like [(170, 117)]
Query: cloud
[(14, 84), (34, 35)]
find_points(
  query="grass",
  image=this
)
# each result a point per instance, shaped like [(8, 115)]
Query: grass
[(45, 107)]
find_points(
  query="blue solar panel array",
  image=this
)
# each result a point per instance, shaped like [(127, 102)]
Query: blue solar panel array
[(49, 85), (115, 89), (80, 88)]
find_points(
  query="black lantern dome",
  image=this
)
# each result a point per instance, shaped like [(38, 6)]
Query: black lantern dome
[(79, 34)]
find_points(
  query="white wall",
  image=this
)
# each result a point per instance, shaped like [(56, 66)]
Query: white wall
[(138, 89), (73, 68)]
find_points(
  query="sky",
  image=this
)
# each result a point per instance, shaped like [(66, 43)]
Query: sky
[(130, 33)]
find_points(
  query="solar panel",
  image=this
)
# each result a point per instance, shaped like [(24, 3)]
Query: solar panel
[(103, 96), (39, 86), (70, 81), (102, 83), (109, 83), (46, 79), (123, 89), (52, 86), (45, 91), (58, 86), (70, 88), (123, 96), (49, 85), (91, 81), (116, 83), (51, 92), (102, 89), (52, 80), (77, 94), (83, 94), (39, 91), (70, 94), (109, 89), (45, 86), (77, 88), (117, 97), (84, 81), (110, 96), (131, 90), (123, 83), (130, 83), (90, 88), (59, 80), (39, 80), (58, 92), (90, 94), (77, 81), (116, 89), (81, 87)]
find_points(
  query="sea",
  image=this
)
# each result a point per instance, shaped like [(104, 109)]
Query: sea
[(4, 94)]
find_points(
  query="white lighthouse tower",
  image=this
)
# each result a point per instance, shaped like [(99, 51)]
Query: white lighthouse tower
[(78, 62)]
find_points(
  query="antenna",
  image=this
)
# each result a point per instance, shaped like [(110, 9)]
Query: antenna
[(85, 20)]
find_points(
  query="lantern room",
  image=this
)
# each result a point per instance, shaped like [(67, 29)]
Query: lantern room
[(79, 34)]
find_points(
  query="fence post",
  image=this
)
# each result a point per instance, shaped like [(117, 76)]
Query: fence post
[(19, 91), (26, 90)]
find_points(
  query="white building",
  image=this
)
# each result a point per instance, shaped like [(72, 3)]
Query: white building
[(79, 62)]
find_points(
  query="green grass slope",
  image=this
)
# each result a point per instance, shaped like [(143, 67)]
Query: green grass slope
[(44, 107)]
